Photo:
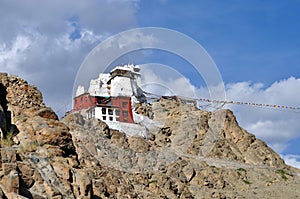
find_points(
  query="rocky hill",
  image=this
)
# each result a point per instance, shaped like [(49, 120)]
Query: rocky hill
[(196, 154)]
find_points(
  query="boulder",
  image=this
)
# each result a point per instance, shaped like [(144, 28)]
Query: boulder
[(44, 112), (11, 182), (138, 144), (41, 131), (83, 188)]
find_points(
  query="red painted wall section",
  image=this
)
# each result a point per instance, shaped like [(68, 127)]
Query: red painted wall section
[(84, 101), (125, 109)]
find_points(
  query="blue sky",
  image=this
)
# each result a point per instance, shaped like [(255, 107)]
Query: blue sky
[(258, 40), (255, 44)]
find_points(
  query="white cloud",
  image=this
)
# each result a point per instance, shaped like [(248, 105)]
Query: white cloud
[(86, 37), (38, 41), (276, 127), (164, 80), (136, 38), (50, 17), (293, 160), (13, 55)]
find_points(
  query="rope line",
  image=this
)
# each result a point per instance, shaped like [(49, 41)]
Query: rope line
[(231, 102), (274, 106)]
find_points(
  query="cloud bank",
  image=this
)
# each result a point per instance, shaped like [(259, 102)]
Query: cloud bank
[(45, 42)]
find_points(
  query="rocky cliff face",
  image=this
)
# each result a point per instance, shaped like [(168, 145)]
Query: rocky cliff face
[(212, 134), (37, 152), (196, 154)]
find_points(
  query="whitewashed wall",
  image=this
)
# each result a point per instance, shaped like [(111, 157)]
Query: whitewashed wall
[(99, 87), (121, 86), (80, 90)]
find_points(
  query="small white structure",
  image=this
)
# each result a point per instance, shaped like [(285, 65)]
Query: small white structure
[(112, 98), (126, 81), (100, 87), (80, 90)]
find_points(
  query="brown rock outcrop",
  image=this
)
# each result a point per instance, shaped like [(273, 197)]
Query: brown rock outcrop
[(11, 182), (211, 134), (28, 168), (196, 154), (36, 123)]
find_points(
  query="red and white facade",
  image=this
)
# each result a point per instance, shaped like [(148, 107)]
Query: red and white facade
[(111, 97), (117, 109), (84, 101)]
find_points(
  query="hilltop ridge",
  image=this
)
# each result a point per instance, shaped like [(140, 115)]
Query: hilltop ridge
[(195, 154)]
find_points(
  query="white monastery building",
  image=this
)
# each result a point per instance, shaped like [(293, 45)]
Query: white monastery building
[(112, 97)]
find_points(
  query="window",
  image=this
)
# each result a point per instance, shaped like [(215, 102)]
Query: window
[(103, 111), (104, 117), (125, 113), (117, 119), (110, 118), (110, 112), (124, 104), (117, 112)]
